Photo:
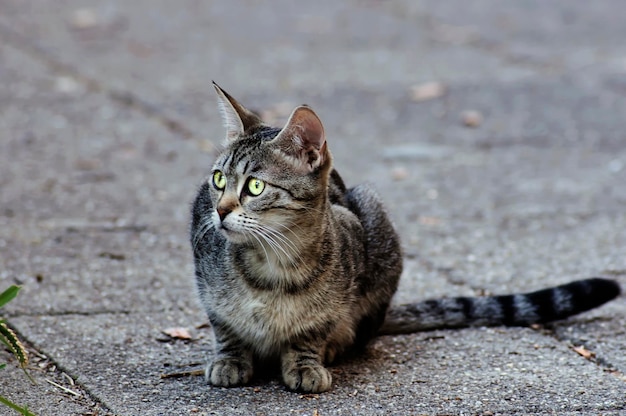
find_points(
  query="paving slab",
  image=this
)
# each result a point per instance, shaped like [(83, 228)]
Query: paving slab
[(552, 36), (142, 46), (503, 371), (51, 391), (93, 181), (109, 123)]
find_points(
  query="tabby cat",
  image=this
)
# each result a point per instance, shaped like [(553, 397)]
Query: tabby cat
[(292, 266)]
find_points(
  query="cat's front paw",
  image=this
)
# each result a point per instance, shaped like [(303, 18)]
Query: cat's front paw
[(311, 378), (229, 372)]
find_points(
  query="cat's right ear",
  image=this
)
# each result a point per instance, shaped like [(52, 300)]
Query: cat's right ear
[(237, 119)]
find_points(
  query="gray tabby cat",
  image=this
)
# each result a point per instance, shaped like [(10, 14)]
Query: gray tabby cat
[(293, 266)]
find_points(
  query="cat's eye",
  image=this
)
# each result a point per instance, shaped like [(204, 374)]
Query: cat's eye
[(255, 186), (219, 180)]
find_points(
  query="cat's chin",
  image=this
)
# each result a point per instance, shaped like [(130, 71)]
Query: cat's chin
[(233, 237)]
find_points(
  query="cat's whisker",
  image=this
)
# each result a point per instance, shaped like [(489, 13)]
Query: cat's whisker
[(274, 240), (285, 240), (282, 237), (276, 248), (288, 227), (279, 249), (267, 257), (204, 228), (257, 231)]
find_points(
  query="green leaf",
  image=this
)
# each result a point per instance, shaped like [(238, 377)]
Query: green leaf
[(2, 366), (8, 295)]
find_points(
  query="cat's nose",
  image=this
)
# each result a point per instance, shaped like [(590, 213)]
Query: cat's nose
[(223, 212)]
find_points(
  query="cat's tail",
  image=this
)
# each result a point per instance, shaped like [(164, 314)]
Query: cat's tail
[(509, 310)]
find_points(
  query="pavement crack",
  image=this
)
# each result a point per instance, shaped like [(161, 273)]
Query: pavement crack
[(124, 98), (96, 312), (583, 348), (45, 368)]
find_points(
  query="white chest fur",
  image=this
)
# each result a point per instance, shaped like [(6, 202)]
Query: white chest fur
[(267, 320)]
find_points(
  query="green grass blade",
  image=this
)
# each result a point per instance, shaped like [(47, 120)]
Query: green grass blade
[(8, 295), (22, 410)]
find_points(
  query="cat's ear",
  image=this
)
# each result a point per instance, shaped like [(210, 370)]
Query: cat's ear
[(237, 119), (303, 139)]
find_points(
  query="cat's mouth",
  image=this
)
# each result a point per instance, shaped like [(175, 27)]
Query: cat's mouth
[(222, 226), (224, 229), (230, 234)]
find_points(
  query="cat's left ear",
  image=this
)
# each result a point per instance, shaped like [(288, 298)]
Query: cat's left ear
[(237, 119), (303, 139)]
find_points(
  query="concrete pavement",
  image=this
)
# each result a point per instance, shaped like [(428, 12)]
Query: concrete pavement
[(108, 124)]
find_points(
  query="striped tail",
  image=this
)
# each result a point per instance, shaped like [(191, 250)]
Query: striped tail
[(509, 310)]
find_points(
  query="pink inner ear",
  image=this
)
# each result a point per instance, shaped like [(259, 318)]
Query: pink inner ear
[(303, 139), (309, 127)]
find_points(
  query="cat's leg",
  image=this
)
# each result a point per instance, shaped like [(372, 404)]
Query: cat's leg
[(303, 370), (233, 361)]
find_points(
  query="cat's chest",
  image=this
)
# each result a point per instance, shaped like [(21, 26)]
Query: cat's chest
[(277, 312), (270, 319)]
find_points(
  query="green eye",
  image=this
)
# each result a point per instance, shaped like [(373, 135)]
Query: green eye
[(219, 180), (255, 186)]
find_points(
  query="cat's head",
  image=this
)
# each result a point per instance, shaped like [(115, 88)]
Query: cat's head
[(268, 180)]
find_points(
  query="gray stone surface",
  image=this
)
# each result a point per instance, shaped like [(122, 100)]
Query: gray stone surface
[(108, 124)]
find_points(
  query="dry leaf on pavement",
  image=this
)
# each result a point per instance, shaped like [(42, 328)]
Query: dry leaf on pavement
[(178, 333), (427, 91), (581, 350)]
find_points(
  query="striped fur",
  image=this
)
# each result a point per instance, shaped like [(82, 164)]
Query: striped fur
[(303, 269), (510, 310)]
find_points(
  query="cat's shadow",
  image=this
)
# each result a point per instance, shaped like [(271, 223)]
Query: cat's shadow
[(351, 366)]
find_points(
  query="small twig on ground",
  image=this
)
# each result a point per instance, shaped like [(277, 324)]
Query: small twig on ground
[(69, 379), (65, 389), (196, 372)]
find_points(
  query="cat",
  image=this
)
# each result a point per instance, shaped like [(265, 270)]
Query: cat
[(293, 266)]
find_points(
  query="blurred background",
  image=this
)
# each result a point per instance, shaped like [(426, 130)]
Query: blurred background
[(478, 115)]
